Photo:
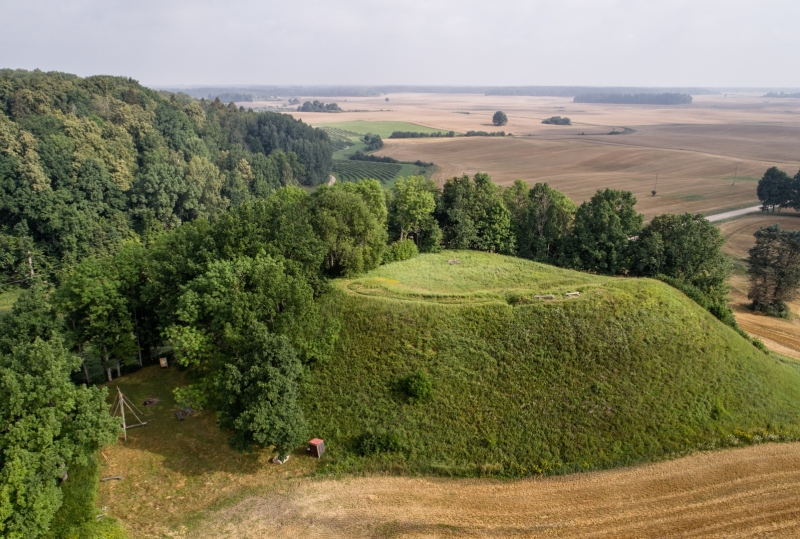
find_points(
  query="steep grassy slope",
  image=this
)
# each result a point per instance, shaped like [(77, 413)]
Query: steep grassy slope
[(630, 370)]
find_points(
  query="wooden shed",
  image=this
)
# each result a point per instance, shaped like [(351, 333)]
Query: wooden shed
[(316, 447)]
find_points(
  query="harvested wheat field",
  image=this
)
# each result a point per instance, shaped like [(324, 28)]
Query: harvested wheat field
[(750, 492), (780, 335), (687, 181), (696, 150)]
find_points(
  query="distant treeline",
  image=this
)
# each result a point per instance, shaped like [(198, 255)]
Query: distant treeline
[(260, 92), (485, 134), (781, 94), (570, 91), (414, 134), (318, 106), (634, 99), (228, 97), (557, 120)]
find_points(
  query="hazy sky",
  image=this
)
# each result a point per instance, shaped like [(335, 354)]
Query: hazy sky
[(454, 42)]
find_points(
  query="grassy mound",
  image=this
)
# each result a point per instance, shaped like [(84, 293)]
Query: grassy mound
[(455, 368)]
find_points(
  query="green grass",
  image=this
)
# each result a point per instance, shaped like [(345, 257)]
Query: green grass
[(77, 518), (630, 371), (382, 128)]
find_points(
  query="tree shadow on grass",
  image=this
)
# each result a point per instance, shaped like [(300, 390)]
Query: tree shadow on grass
[(194, 446)]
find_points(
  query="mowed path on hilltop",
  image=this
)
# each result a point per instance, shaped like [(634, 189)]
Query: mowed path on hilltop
[(749, 492)]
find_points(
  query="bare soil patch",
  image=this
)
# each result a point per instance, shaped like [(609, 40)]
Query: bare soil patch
[(748, 492)]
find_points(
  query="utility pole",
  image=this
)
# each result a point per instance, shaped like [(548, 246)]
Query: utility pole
[(735, 172), (655, 187)]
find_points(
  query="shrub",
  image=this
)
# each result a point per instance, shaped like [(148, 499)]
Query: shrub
[(400, 250), (373, 142), (557, 120), (371, 443), (418, 385), (758, 343)]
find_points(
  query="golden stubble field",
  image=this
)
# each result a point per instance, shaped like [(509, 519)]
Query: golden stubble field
[(180, 480), (750, 492), (695, 150), (780, 335)]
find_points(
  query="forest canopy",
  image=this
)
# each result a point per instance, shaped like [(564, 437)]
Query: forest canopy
[(86, 163)]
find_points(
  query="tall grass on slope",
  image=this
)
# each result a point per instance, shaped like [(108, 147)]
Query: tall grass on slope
[(631, 370)]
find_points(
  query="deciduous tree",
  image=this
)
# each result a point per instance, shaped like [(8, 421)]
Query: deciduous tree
[(499, 118), (774, 268), (603, 227)]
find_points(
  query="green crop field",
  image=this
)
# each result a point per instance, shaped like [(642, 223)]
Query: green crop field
[(384, 129), (629, 371), (346, 170), (340, 138)]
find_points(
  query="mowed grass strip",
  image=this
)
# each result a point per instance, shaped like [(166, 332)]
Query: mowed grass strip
[(382, 128), (631, 370)]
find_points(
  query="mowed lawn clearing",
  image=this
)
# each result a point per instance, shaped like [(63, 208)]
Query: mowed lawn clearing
[(779, 334), (174, 472), (738, 493)]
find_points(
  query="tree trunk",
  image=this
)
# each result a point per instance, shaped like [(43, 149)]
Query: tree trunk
[(138, 343), (86, 373), (105, 363), (83, 359), (118, 372)]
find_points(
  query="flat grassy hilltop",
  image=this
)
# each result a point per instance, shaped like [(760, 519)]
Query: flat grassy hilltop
[(628, 371)]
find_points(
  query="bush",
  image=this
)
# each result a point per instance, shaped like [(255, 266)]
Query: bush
[(418, 385), (758, 343), (400, 250), (557, 120), (371, 443), (373, 142)]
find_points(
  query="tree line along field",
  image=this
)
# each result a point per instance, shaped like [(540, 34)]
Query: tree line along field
[(779, 334)]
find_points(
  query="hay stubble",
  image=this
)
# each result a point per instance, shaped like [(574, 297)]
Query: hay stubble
[(748, 492)]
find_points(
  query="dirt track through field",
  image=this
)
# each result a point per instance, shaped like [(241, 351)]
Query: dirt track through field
[(749, 492)]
